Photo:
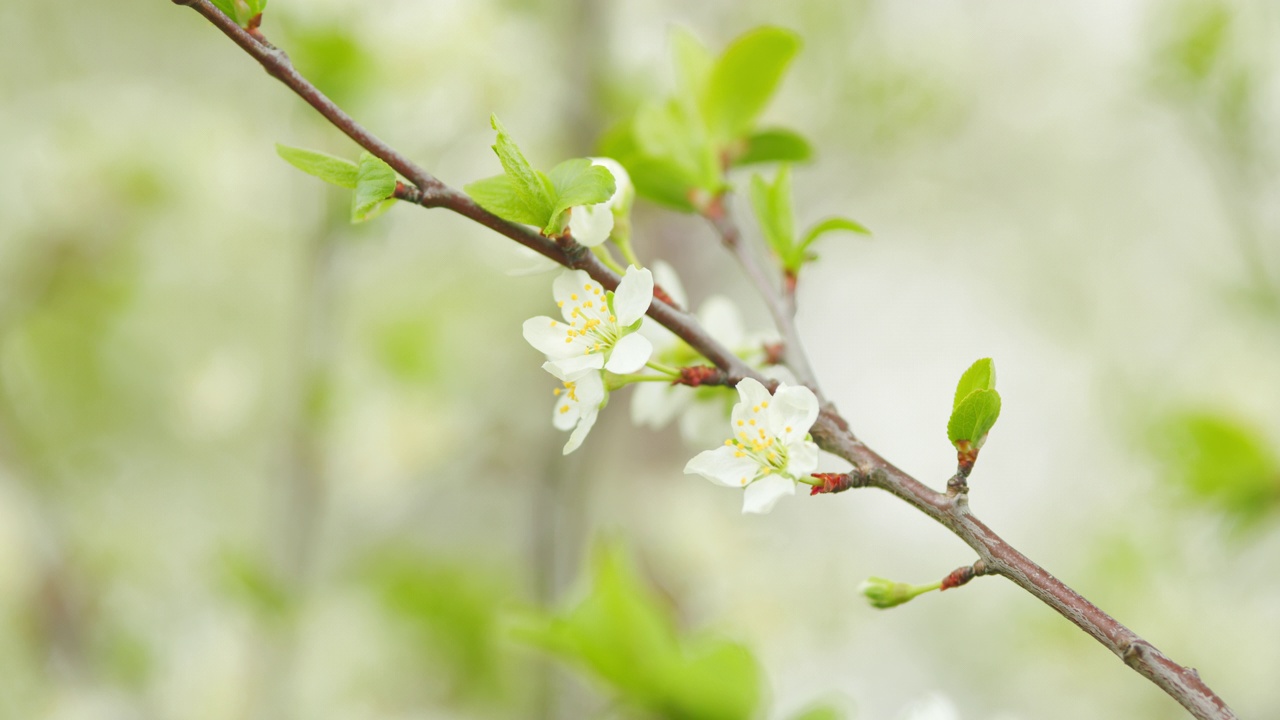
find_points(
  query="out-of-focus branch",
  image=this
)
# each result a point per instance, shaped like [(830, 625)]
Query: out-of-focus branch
[(781, 305), (831, 432)]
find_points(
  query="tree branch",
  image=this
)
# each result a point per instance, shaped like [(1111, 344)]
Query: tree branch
[(781, 306), (830, 432)]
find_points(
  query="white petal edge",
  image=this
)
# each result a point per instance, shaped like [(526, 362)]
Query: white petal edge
[(580, 433), (567, 419), (547, 336), (574, 367), (761, 495), (629, 354), (722, 467), (751, 395), (634, 295), (794, 407), (567, 284), (802, 458), (621, 180), (590, 225)]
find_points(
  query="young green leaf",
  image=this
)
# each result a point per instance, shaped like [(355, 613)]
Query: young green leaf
[(772, 204), (578, 182), (692, 61), (375, 183), (824, 227), (335, 170), (774, 146), (744, 79), (498, 195), (256, 7), (974, 417), (981, 375), (228, 8), (533, 188)]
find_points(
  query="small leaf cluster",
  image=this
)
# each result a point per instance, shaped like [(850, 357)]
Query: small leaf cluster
[(528, 196), (677, 150), (243, 12), (775, 212), (624, 634), (974, 410), (372, 180)]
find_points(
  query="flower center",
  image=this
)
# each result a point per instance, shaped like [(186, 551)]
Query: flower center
[(589, 318)]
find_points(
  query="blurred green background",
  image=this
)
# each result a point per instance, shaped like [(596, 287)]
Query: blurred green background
[(256, 462)]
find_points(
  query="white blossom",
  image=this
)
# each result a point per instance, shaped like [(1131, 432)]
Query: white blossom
[(578, 403), (591, 225), (599, 328), (768, 451)]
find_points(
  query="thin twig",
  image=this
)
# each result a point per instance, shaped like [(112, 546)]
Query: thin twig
[(781, 306), (831, 432)]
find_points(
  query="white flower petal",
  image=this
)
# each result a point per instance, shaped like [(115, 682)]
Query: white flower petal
[(629, 354), (575, 367), (665, 276), (566, 285), (579, 433), (761, 495), (792, 413), (749, 415), (531, 263), (802, 459), (722, 320), (590, 225), (548, 337), (723, 466), (621, 181), (655, 404), (634, 295), (781, 374), (565, 413)]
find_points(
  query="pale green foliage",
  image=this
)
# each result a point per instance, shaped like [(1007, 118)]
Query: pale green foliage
[(677, 150), (744, 79), (624, 634), (773, 206), (373, 181), (1222, 461), (375, 185), (976, 406), (333, 170), (528, 196), (241, 11), (883, 593)]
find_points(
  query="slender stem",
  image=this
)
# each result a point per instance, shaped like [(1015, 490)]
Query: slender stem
[(830, 432), (667, 370), (628, 253), (628, 379), (603, 254), (780, 305)]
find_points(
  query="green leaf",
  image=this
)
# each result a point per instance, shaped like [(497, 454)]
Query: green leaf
[(661, 182), (1222, 461), (256, 7), (578, 182), (744, 79), (831, 225), (498, 195), (692, 61), (228, 8), (974, 417), (334, 170), (531, 187), (669, 133), (375, 183), (981, 375), (772, 204), (624, 633), (774, 146)]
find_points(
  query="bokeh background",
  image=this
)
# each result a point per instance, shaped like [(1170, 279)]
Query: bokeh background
[(256, 462)]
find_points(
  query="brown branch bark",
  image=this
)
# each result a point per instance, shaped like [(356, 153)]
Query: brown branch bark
[(831, 430)]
